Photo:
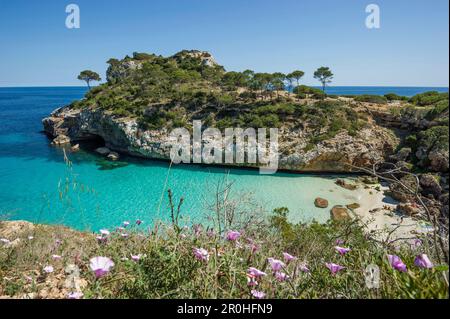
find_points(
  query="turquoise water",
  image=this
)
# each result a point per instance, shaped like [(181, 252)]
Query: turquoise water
[(33, 177)]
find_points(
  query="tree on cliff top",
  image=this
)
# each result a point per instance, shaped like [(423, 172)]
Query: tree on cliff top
[(324, 75), (88, 76)]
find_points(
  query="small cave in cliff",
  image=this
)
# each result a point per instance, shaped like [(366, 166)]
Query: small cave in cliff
[(91, 142)]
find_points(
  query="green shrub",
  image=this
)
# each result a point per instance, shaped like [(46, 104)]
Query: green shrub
[(428, 98), (377, 99), (395, 97)]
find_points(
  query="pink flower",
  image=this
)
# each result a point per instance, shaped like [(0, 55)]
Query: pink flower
[(288, 257), (339, 242), (197, 229), (303, 267), (210, 233), (136, 258), (138, 222), (75, 295), (423, 261), (56, 257), (251, 281), (258, 294), (102, 239), (334, 268), (281, 276), (101, 266), (201, 254), (342, 250), (276, 264), (256, 272), (104, 232), (233, 235), (397, 263), (58, 242), (48, 269), (253, 248)]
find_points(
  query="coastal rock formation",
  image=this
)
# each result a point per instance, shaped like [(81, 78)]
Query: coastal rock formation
[(122, 134)]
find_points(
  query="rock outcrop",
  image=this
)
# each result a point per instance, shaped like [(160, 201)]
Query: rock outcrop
[(124, 135)]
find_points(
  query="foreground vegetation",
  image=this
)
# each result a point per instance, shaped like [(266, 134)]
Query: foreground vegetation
[(168, 261)]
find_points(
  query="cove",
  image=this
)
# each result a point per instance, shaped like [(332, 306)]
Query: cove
[(36, 184)]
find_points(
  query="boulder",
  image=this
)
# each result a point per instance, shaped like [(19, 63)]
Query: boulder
[(321, 202), (430, 185), (113, 156), (345, 185), (61, 140), (408, 209), (103, 151), (75, 148), (339, 213)]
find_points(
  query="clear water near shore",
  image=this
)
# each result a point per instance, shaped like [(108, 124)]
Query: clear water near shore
[(33, 177)]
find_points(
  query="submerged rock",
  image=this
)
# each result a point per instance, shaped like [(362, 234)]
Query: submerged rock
[(113, 156), (321, 202), (75, 148), (103, 151), (339, 213)]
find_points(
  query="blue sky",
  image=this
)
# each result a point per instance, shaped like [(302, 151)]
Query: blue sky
[(410, 49)]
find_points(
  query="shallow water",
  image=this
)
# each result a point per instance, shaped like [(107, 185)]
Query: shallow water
[(37, 185)]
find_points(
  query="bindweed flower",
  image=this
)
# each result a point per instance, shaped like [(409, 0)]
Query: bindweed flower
[(256, 272), (253, 248), (197, 229), (5, 241), (104, 232), (75, 295), (124, 235), (251, 281), (56, 257), (288, 257), (276, 264), (422, 261), (303, 267), (397, 263), (340, 242), (29, 279), (58, 242), (334, 268), (48, 269), (138, 257), (102, 239), (101, 266), (342, 250), (138, 222), (30, 237), (281, 276), (258, 294), (201, 254), (233, 235), (126, 223)]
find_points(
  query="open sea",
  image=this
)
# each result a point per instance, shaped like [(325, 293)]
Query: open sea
[(37, 185)]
